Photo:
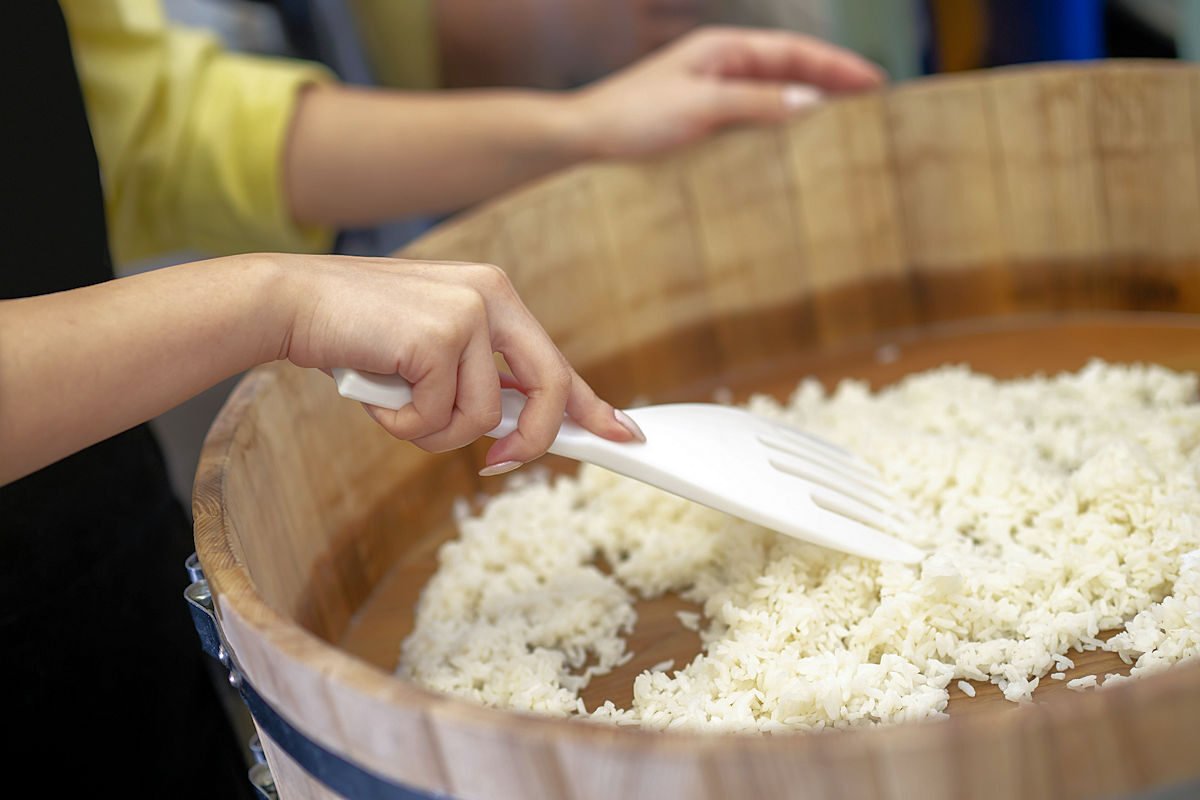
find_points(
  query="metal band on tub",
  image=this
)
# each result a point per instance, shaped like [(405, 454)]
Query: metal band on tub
[(334, 771)]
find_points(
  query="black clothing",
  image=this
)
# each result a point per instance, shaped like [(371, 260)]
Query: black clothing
[(105, 684)]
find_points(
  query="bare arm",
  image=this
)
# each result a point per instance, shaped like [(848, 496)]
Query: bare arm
[(82, 365), (78, 366), (358, 157)]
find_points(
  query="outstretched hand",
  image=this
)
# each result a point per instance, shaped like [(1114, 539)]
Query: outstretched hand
[(711, 78)]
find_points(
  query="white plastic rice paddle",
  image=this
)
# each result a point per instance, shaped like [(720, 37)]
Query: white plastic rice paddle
[(723, 457)]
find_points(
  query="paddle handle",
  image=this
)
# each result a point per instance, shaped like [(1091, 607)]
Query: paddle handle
[(385, 391), (394, 392)]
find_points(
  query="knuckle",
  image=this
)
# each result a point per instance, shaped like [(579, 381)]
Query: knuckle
[(444, 441), (451, 331), (493, 278), (420, 426), (394, 428), (442, 332), (558, 383), (462, 431), (488, 419), (563, 378), (438, 420), (470, 305), (435, 444)]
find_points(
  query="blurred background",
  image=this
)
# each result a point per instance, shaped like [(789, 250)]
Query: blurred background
[(559, 44)]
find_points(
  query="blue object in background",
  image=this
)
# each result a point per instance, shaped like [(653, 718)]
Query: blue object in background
[(1020, 31)]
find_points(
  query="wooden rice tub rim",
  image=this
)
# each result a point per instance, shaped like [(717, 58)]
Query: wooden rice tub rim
[(1131, 712)]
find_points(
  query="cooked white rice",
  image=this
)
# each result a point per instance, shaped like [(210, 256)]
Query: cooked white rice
[(1052, 509)]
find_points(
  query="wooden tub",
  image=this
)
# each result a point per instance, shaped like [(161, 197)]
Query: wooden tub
[(1020, 220)]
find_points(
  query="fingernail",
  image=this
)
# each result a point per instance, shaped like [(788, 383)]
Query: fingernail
[(798, 95), (499, 469), (628, 424)]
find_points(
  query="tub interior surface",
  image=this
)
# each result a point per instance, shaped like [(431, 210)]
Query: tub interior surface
[(1004, 348)]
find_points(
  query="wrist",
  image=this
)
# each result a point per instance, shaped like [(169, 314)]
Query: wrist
[(573, 125), (265, 299)]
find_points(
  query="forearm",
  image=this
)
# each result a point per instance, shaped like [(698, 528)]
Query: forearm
[(79, 366), (359, 157)]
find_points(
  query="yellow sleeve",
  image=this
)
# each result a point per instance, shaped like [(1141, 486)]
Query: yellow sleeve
[(190, 137)]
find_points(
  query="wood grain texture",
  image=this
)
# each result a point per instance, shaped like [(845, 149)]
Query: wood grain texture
[(758, 256), (847, 209)]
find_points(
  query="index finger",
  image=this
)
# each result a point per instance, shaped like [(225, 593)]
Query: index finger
[(551, 387), (545, 380)]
